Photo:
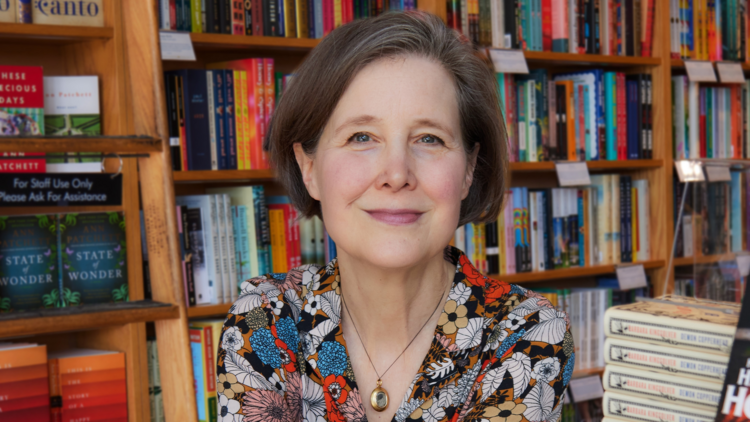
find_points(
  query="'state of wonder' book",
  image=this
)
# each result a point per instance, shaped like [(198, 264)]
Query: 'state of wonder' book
[(21, 101), (49, 261)]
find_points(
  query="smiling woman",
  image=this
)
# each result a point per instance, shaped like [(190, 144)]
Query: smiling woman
[(392, 133)]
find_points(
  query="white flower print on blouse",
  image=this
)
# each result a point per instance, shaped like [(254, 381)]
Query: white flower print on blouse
[(232, 340), (546, 370), (228, 409)]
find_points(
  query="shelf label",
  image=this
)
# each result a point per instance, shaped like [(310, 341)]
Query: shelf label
[(730, 72), (508, 61), (56, 190), (586, 388), (689, 171), (176, 46), (718, 173), (700, 71), (573, 173), (631, 276), (743, 263)]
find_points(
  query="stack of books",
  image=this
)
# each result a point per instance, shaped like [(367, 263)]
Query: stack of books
[(667, 358), (581, 116), (88, 385), (24, 385)]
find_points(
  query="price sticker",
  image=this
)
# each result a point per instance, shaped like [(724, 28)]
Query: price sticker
[(700, 71), (743, 264), (586, 388), (631, 276), (730, 73), (716, 173), (689, 171), (573, 173), (176, 46), (508, 61)]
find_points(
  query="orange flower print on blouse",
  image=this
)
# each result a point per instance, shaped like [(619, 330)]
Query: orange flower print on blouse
[(500, 353)]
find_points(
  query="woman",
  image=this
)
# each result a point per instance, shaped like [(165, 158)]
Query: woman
[(391, 131)]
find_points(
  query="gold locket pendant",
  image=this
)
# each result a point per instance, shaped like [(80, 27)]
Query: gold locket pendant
[(379, 398)]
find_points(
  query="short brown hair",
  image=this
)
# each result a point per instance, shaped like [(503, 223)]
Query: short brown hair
[(310, 99)]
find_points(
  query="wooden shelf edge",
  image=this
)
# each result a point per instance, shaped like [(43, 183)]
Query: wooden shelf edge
[(104, 144), (541, 276), (592, 165), (705, 259), (679, 63), (227, 41), (36, 324), (26, 31), (195, 176), (588, 372), (589, 59), (212, 310)]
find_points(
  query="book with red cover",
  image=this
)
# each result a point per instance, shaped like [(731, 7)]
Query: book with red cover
[(17, 162), (622, 119), (547, 25), (98, 413), (24, 383), (21, 101), (269, 93), (33, 414), (702, 122)]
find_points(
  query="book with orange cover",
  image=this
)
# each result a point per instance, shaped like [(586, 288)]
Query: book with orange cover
[(23, 373), (24, 383), (78, 378), (278, 244), (571, 113), (239, 125)]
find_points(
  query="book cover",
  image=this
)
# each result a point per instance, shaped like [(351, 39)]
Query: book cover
[(634, 408), (8, 11), (80, 13), (23, 162), (94, 255), (71, 108), (198, 255), (22, 101)]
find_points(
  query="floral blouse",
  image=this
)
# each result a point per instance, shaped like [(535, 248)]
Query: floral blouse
[(501, 353)]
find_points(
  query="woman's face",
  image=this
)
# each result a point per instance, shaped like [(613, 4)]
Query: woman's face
[(390, 169)]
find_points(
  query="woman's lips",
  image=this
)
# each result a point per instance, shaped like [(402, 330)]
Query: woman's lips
[(396, 217)]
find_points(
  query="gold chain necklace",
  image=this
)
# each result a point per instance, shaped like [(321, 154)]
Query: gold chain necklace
[(379, 396)]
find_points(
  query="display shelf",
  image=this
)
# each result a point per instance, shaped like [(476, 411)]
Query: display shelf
[(89, 317), (581, 373), (103, 144), (703, 259), (680, 64), (200, 176), (217, 42), (53, 34), (547, 57), (212, 310), (600, 165), (575, 272)]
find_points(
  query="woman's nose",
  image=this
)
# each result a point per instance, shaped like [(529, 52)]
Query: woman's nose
[(395, 171)]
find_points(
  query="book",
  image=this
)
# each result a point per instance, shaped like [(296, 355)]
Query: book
[(24, 382), (22, 106), (71, 108), (8, 11), (209, 288), (81, 13), (634, 408)]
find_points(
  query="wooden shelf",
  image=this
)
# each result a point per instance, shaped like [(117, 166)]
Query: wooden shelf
[(575, 272), (91, 317), (215, 42), (206, 311), (705, 259), (104, 144), (222, 176), (53, 34), (679, 63), (546, 57), (600, 165), (587, 372)]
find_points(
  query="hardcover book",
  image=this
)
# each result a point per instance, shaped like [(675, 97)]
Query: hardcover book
[(21, 101), (24, 384), (74, 13), (71, 106), (632, 408), (8, 11)]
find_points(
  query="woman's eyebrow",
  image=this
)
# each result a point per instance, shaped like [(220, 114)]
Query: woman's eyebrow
[(357, 120), (436, 125)]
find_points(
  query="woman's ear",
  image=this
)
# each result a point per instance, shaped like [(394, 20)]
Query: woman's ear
[(472, 164), (305, 163)]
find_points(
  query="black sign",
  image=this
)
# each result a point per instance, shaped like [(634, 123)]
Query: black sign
[(46, 189)]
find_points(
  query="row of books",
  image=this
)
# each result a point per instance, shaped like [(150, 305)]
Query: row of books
[(218, 118), (59, 260), (667, 359), (75, 13), (620, 28), (709, 121), (712, 220), (709, 29), (588, 115), (546, 229), (232, 234), (275, 18), (204, 342), (65, 386), (720, 281)]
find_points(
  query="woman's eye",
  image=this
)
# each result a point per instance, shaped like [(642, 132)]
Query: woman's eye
[(430, 139), (360, 138)]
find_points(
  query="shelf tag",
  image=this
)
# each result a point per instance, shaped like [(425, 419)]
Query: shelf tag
[(743, 263), (176, 46), (508, 61), (689, 171), (700, 71), (719, 173), (631, 276), (572, 173), (586, 388), (61, 189), (730, 72)]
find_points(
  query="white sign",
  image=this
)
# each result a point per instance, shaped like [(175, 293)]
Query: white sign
[(176, 46), (718, 173), (573, 173), (508, 61), (689, 171), (743, 263), (631, 276), (730, 73), (700, 71), (587, 388)]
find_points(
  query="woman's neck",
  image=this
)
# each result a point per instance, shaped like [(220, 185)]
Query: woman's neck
[(388, 305)]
